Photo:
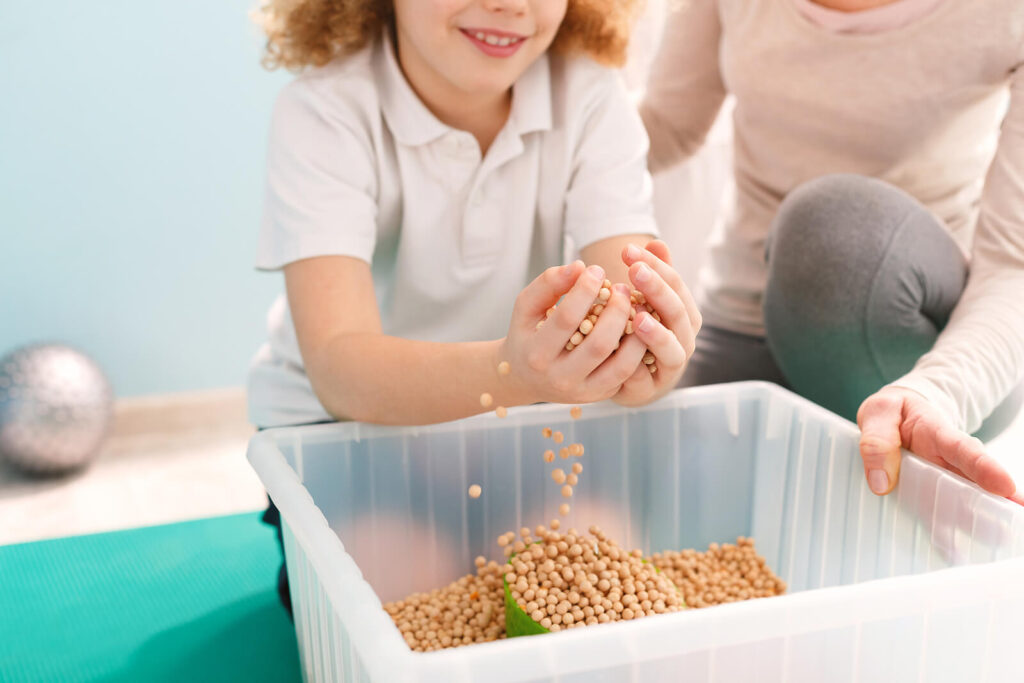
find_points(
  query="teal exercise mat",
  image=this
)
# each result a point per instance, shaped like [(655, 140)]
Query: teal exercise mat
[(187, 602)]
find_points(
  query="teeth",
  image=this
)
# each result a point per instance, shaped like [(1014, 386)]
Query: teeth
[(500, 41)]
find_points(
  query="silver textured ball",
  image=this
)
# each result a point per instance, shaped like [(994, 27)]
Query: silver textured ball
[(56, 408)]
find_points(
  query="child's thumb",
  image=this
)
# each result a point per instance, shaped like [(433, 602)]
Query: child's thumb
[(546, 289)]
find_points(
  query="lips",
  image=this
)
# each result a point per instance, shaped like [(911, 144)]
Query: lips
[(494, 43)]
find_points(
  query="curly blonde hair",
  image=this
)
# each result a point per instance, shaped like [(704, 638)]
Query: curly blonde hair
[(303, 33)]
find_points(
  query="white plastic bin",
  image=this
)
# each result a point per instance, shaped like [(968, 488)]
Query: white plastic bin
[(926, 584)]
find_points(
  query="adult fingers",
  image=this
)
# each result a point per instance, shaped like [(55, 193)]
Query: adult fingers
[(879, 419), (967, 454)]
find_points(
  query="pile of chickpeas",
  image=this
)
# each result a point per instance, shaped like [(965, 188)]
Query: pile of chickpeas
[(725, 573), (570, 580), (469, 610)]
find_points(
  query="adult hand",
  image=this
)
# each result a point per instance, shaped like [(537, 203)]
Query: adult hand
[(671, 340), (895, 417), (541, 368)]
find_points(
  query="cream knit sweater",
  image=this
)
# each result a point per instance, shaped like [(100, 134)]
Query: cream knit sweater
[(922, 106)]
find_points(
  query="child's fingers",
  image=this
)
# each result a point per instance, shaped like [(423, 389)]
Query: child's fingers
[(620, 367), (604, 338), (632, 254), (665, 344), (665, 300), (544, 292), (640, 383), (659, 249), (575, 305)]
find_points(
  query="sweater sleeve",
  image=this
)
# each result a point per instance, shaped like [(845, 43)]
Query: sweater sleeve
[(978, 358), (685, 89)]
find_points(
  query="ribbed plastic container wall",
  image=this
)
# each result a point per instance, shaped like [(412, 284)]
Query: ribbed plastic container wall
[(926, 584)]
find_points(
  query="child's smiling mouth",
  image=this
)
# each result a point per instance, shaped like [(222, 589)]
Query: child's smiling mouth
[(494, 43)]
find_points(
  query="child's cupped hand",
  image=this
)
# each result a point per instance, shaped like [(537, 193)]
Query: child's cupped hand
[(541, 367), (672, 340)]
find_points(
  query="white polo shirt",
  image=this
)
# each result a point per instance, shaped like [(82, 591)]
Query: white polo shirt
[(358, 166)]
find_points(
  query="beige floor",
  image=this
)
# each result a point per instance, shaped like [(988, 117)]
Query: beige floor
[(168, 460), (184, 458)]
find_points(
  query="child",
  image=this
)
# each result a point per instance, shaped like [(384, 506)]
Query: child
[(434, 159)]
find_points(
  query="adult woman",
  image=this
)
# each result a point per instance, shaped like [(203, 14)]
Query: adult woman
[(874, 256)]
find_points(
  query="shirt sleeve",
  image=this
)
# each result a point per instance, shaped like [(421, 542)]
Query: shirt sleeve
[(978, 358), (610, 192), (685, 89), (321, 184)]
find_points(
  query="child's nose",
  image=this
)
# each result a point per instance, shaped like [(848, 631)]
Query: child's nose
[(506, 6)]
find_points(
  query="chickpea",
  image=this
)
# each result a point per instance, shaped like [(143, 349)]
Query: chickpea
[(504, 368), (501, 411), (486, 400), (475, 491)]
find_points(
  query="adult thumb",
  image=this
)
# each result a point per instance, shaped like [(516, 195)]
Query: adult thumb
[(879, 419)]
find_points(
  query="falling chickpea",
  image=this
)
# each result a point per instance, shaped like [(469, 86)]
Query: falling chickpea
[(563, 509), (558, 475), (546, 432), (501, 411), (558, 437), (549, 455), (567, 491), (572, 480), (504, 368), (486, 400), (475, 491), (577, 468), (575, 412)]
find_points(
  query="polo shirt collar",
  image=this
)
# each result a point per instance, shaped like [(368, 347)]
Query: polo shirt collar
[(413, 124), (408, 118)]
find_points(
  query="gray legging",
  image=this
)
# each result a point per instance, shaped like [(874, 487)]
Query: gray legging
[(861, 280)]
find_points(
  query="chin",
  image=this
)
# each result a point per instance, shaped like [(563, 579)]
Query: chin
[(484, 83)]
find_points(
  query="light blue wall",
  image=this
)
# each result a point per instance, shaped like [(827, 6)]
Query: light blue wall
[(132, 141)]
